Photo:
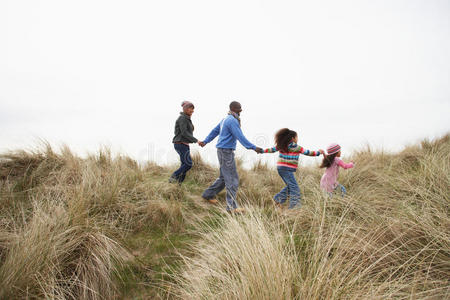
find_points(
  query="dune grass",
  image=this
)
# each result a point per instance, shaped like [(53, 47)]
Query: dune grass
[(104, 227)]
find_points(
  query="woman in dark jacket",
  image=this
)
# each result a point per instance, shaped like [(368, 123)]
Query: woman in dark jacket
[(183, 137)]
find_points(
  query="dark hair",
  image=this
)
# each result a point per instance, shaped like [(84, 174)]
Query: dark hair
[(328, 160), (283, 138), (234, 104)]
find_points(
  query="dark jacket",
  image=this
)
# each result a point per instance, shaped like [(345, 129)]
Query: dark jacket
[(183, 130)]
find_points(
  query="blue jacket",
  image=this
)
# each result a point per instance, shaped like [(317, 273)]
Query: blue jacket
[(229, 131)]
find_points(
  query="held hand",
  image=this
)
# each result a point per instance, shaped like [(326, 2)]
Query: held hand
[(201, 144), (258, 150), (322, 152)]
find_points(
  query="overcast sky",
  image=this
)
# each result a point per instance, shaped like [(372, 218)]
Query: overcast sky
[(91, 73)]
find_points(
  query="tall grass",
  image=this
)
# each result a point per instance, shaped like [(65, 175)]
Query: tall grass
[(247, 258), (51, 257), (389, 239), (63, 219), (67, 223)]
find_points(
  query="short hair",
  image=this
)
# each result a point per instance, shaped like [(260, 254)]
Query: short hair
[(234, 104)]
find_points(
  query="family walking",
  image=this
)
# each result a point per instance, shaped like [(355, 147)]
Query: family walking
[(229, 132)]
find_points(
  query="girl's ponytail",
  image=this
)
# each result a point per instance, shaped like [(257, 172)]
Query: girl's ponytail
[(328, 160), (332, 152)]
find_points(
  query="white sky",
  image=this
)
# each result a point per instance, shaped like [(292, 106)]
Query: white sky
[(91, 73)]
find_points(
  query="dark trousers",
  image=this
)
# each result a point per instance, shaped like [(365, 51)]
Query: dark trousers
[(186, 162)]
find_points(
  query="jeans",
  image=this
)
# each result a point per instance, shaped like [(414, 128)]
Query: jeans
[(228, 178), (186, 162), (291, 189)]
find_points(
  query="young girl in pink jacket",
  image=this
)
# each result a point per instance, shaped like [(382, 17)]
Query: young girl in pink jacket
[(332, 162)]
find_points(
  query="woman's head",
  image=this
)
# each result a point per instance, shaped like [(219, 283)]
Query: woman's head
[(188, 107), (284, 137)]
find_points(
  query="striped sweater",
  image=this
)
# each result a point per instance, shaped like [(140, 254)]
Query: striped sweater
[(290, 159)]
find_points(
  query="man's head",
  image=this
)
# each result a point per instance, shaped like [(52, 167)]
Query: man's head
[(235, 107)]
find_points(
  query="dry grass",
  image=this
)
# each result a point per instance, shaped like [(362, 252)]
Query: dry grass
[(389, 239), (67, 226), (53, 257), (246, 258), (63, 219), (202, 173)]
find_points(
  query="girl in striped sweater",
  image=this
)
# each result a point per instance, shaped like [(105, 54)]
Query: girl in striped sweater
[(286, 144)]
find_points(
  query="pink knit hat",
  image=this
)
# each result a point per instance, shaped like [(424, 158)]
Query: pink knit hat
[(333, 148), (186, 104)]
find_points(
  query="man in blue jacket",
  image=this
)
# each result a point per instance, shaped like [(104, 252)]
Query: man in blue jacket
[(228, 130)]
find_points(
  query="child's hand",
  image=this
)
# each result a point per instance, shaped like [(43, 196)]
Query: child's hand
[(321, 151)]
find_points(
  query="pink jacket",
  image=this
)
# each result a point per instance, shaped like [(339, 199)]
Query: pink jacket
[(329, 179)]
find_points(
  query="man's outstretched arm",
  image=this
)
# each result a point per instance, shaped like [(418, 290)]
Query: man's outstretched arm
[(212, 135)]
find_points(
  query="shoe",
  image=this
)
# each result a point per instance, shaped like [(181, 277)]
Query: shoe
[(173, 180), (278, 205), (238, 211), (212, 201)]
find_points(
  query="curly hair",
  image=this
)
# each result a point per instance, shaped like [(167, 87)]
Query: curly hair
[(283, 138)]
